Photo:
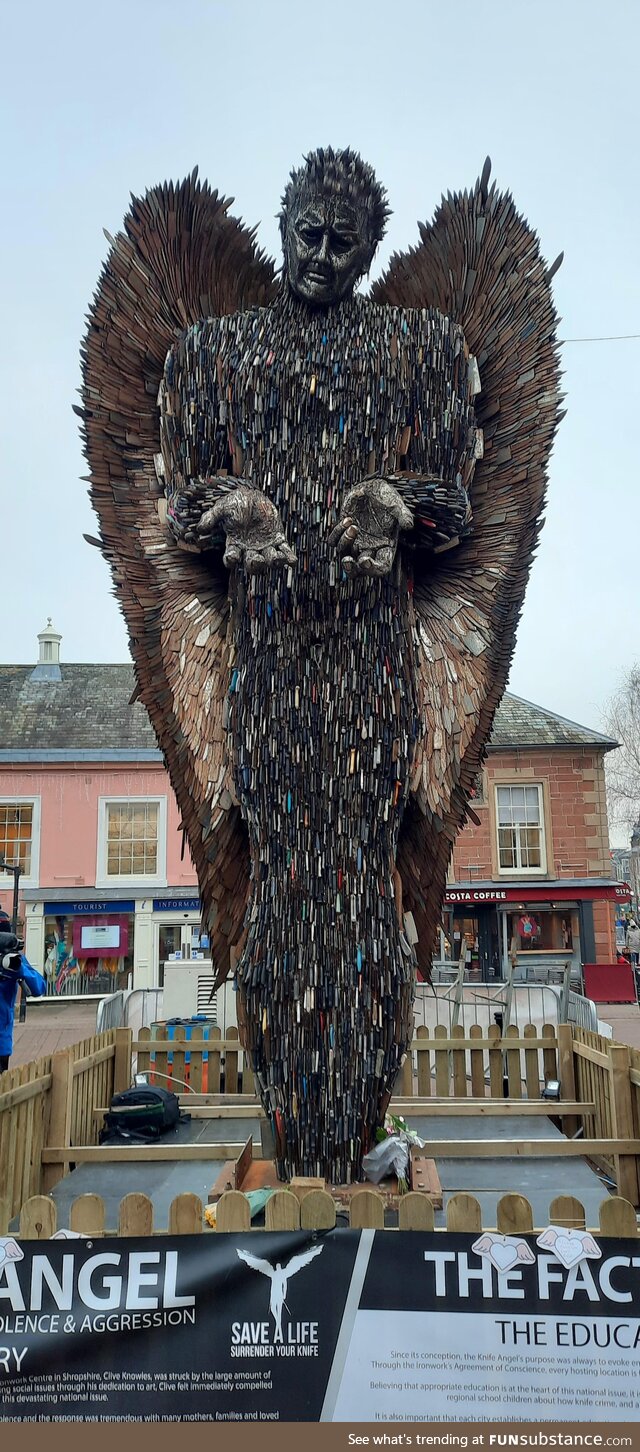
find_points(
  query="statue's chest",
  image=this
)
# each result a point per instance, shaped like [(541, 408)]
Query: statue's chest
[(335, 388)]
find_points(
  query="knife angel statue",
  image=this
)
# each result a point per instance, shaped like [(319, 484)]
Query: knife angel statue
[(320, 509)]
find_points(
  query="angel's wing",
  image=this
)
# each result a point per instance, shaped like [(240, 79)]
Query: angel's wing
[(591, 1247), (525, 1253), (297, 1262), (256, 1264), (9, 1249), (478, 262), (180, 258), (548, 1239)]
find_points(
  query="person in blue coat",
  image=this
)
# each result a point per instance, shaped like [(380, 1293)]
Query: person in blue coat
[(14, 970)]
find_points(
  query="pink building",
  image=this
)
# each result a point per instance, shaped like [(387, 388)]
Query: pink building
[(86, 807)]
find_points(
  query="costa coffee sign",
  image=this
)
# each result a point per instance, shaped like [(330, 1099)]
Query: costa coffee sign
[(539, 892)]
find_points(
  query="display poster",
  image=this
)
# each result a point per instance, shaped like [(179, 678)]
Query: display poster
[(329, 1326)]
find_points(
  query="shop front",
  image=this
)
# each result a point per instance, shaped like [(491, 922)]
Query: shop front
[(97, 945), (532, 926)]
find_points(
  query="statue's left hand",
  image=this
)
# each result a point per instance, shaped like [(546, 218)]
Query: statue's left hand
[(366, 535)]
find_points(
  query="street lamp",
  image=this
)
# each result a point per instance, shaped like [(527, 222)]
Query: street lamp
[(16, 871)]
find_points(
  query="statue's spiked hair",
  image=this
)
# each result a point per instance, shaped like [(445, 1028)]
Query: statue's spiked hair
[(339, 173)]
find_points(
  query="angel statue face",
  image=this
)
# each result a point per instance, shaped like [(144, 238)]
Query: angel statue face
[(333, 216)]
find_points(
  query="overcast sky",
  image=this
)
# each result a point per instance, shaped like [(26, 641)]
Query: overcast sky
[(101, 100)]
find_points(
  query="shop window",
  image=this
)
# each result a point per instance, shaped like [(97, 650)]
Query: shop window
[(132, 840), (520, 827), (19, 837)]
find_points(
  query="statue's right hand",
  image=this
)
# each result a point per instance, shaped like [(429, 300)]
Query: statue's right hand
[(253, 529)]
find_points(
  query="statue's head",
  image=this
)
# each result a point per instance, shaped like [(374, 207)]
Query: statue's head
[(333, 216)]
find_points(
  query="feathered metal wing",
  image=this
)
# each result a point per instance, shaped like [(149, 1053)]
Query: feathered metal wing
[(479, 262), (181, 257)]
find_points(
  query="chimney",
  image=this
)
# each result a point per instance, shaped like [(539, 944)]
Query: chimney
[(48, 667)]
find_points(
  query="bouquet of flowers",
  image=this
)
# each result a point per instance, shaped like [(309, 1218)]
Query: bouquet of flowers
[(391, 1153)]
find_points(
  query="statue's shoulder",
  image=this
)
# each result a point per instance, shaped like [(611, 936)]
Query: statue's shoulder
[(209, 333), (415, 323)]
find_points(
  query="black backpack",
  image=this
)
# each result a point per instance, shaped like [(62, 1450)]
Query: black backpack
[(141, 1115)]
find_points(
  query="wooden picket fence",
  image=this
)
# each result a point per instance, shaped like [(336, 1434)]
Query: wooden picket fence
[(51, 1111), (316, 1210), (48, 1101)]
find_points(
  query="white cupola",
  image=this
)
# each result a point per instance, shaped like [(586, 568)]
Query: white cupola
[(48, 667)]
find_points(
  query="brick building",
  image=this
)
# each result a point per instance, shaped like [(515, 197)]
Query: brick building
[(108, 894), (533, 876)]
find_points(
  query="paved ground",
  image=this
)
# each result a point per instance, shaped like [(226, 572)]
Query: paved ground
[(49, 1027), (625, 1021)]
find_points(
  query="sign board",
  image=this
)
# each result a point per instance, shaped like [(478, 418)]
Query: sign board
[(97, 905), (177, 905), (336, 1326), (548, 892)]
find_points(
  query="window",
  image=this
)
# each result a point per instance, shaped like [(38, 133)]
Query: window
[(20, 838), (132, 840), (521, 846)]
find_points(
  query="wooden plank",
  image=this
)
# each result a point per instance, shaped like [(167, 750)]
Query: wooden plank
[(231, 1062), (415, 1212), (503, 1107), (566, 1210), (122, 1060), (199, 1045), (531, 1064), (87, 1215), (178, 1066), (282, 1211), (208, 1111), (185, 1215), (366, 1211), (539, 1149), (549, 1057), (92, 1060), (626, 1169), (114, 1153), (464, 1214), (618, 1218), (140, 1047), (423, 1176), (233, 1212), (213, 1060), (584, 1051), (459, 1063), (242, 1164), (496, 1065), (476, 1055), (514, 1215), (566, 1071), (38, 1218), (512, 1056), (31, 1090), (159, 1059), (59, 1131), (317, 1211), (423, 1057), (135, 1215), (404, 1079), (441, 1056), (196, 1072)]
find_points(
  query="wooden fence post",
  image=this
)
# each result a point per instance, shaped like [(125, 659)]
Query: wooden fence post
[(622, 1107), (59, 1135), (566, 1073), (122, 1064)]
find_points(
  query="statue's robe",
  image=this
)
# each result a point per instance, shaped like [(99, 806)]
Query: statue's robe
[(324, 715)]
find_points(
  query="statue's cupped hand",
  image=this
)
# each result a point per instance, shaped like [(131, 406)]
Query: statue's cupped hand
[(366, 536), (255, 538)]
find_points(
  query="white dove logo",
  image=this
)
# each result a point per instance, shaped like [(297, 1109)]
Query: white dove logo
[(279, 1275)]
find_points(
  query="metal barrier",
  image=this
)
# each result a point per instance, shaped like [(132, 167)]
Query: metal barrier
[(135, 1008), (452, 1000)]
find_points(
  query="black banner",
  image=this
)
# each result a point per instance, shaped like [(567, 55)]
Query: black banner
[(339, 1325)]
